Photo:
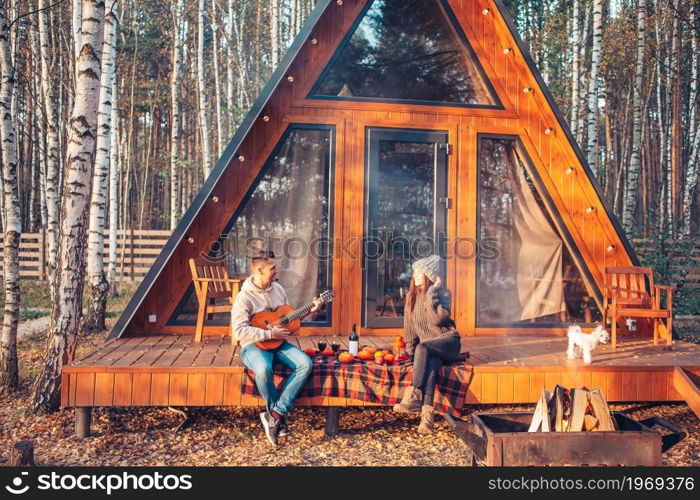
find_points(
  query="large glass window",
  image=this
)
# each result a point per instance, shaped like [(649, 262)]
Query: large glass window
[(528, 275), (290, 212), (407, 50), (405, 216)]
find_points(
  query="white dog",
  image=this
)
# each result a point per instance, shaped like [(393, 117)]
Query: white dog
[(585, 342)]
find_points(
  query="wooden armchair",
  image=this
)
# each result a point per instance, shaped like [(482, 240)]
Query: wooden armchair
[(627, 295), (212, 281)]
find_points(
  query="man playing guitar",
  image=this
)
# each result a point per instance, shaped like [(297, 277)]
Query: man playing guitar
[(260, 292)]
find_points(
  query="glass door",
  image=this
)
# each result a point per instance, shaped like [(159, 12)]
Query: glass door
[(405, 216)]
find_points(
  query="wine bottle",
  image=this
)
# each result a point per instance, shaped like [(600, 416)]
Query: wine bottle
[(353, 341)]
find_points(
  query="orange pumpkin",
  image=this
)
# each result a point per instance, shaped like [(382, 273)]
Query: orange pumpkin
[(346, 357), (389, 358), (364, 355), (310, 352), (328, 352)]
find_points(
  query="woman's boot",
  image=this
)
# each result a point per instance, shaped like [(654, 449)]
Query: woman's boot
[(411, 401), (427, 417)]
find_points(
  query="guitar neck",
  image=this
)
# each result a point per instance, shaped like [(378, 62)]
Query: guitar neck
[(297, 313)]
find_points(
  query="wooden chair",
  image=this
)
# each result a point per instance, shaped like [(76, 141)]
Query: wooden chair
[(212, 281), (627, 295)]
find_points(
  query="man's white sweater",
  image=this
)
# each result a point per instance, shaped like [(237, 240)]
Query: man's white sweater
[(251, 300)]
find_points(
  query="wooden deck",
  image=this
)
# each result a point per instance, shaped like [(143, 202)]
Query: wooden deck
[(172, 370)]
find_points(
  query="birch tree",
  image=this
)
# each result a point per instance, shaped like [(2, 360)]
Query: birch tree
[(67, 306), (592, 152), (49, 90), (175, 112), (217, 82), (274, 33), (9, 376), (635, 162), (113, 192), (575, 69), (203, 120), (98, 286), (691, 180)]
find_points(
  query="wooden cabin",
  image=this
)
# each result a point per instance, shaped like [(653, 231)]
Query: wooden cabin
[(393, 129)]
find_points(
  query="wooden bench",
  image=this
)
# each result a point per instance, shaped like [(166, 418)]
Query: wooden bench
[(212, 281), (627, 295)]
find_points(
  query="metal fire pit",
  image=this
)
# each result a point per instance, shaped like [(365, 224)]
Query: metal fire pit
[(502, 439)]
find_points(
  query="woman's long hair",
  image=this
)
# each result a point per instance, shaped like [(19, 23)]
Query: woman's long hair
[(413, 292)]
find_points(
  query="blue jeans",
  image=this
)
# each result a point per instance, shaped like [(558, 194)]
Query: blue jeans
[(262, 362)]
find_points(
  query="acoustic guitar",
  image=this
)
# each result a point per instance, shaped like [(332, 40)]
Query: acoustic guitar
[(284, 316)]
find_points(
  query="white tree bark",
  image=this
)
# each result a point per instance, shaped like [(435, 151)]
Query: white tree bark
[(9, 375), (113, 192), (76, 28), (582, 117), (274, 34), (230, 83), (175, 112), (67, 306), (203, 121), (98, 287), (634, 170), (691, 180), (575, 70), (52, 132), (592, 149), (217, 81)]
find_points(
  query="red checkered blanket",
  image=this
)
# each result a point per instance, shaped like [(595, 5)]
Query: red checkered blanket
[(373, 383)]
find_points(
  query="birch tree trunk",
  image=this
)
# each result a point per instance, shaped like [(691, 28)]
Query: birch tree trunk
[(113, 193), (592, 153), (691, 180), (52, 146), (67, 306), (274, 34), (217, 82), (230, 83), (635, 162), (582, 120), (9, 375), (175, 113), (203, 122), (575, 70), (98, 286)]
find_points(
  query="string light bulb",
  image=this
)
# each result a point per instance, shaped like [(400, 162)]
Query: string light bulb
[(314, 41), (215, 199), (290, 78), (266, 118), (570, 170), (527, 90), (486, 11), (190, 240), (590, 210), (241, 158), (507, 50), (548, 130), (610, 248)]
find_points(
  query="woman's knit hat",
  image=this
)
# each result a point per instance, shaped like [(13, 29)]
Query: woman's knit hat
[(429, 266)]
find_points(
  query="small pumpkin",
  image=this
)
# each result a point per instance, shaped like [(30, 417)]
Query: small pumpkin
[(346, 357), (310, 352)]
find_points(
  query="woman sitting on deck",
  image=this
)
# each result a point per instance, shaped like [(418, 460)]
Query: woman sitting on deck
[(430, 336)]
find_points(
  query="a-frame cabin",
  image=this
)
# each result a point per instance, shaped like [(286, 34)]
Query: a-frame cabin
[(391, 129)]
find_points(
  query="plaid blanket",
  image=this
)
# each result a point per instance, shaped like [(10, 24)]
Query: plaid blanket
[(373, 383)]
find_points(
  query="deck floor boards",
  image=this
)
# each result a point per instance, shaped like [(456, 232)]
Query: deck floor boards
[(182, 351)]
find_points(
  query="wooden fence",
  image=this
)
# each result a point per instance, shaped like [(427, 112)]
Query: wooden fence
[(136, 252)]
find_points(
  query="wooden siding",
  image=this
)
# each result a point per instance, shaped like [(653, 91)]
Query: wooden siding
[(526, 115)]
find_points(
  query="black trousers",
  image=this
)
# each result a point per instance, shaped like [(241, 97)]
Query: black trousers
[(428, 357)]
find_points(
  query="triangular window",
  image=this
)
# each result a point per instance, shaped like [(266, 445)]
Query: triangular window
[(408, 50), (526, 272), (288, 211)]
